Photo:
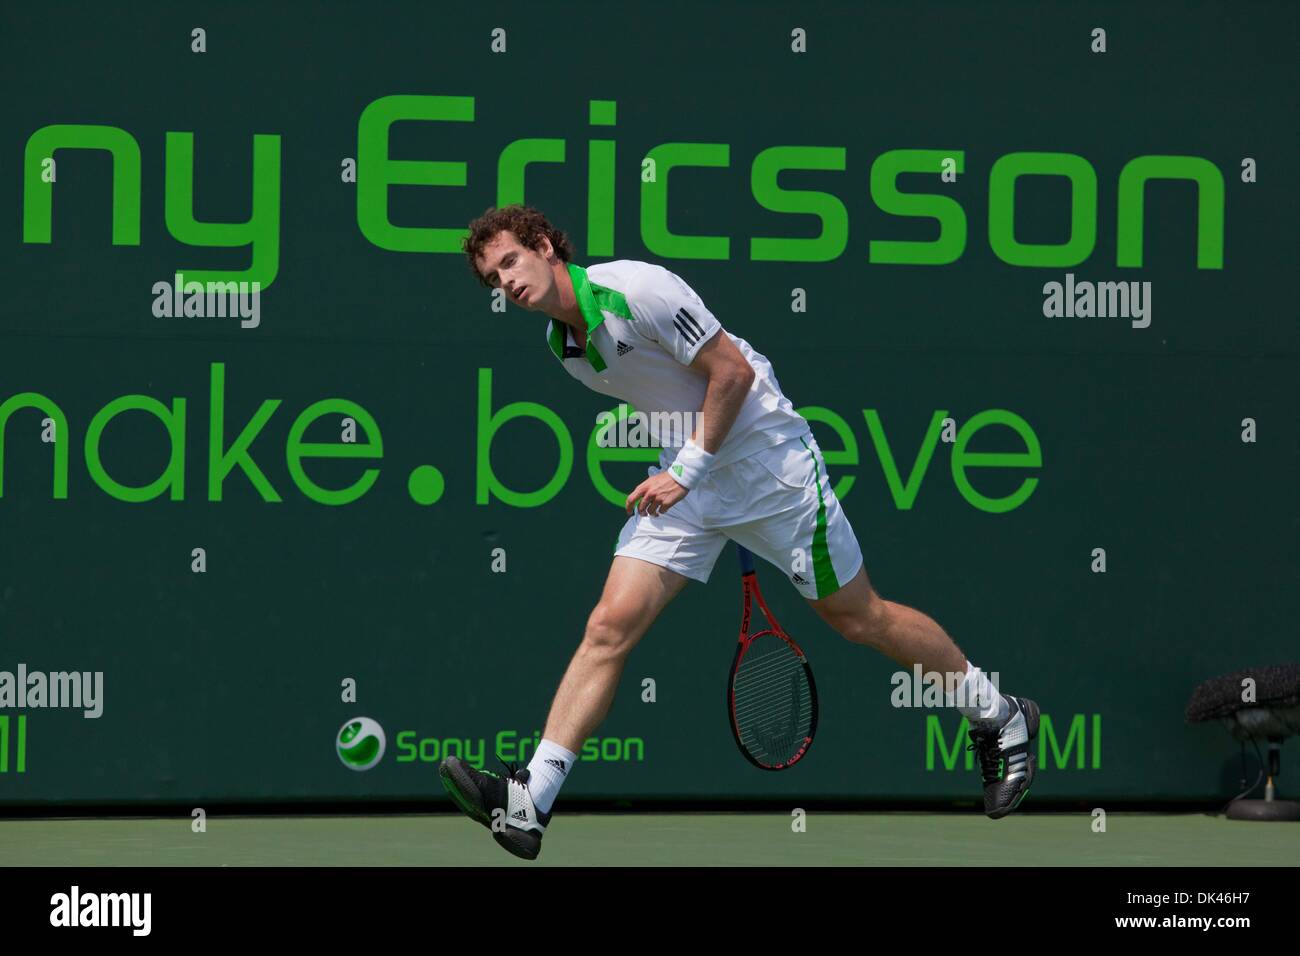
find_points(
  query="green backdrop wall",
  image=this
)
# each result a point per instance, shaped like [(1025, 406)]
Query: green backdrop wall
[(924, 300)]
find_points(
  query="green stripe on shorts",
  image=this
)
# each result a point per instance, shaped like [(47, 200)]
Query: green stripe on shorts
[(823, 571)]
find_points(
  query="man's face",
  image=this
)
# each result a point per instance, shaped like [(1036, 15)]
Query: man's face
[(525, 274)]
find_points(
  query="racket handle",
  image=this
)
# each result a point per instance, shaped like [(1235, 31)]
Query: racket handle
[(746, 560)]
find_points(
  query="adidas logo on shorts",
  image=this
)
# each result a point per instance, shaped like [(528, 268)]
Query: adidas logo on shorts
[(624, 348)]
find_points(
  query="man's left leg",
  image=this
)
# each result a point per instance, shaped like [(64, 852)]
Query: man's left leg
[(1003, 729), (903, 634), (787, 512), (794, 520)]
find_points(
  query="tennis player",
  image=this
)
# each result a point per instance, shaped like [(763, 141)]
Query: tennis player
[(751, 472)]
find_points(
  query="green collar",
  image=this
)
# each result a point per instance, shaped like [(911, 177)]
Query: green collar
[(593, 301)]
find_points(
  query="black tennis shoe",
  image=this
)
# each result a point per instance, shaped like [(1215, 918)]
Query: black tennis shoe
[(1007, 756), (502, 804)]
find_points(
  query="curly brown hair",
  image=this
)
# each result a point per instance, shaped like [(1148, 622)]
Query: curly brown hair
[(527, 223)]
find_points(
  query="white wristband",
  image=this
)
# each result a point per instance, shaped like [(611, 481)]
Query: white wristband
[(690, 465)]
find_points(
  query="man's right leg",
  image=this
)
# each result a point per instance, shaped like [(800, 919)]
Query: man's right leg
[(517, 807), (635, 592)]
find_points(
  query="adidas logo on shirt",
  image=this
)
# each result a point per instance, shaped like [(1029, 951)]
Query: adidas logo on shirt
[(558, 765), (623, 348)]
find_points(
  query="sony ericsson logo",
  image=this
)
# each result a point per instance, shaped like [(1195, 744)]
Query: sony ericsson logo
[(360, 743), (511, 746), (374, 173)]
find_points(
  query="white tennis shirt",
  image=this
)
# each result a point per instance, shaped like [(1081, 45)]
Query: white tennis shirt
[(644, 328)]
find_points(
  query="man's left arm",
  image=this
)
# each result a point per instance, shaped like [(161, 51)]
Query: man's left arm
[(730, 377)]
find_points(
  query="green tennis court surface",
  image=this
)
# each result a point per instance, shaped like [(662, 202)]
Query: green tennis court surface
[(885, 839)]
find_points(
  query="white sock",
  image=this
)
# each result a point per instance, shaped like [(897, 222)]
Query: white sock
[(547, 771), (980, 700)]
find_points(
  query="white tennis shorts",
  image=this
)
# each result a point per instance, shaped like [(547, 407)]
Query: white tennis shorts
[(778, 503)]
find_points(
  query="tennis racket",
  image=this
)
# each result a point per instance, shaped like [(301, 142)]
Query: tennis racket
[(771, 695)]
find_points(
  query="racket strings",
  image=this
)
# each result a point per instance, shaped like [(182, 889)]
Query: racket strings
[(773, 701)]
